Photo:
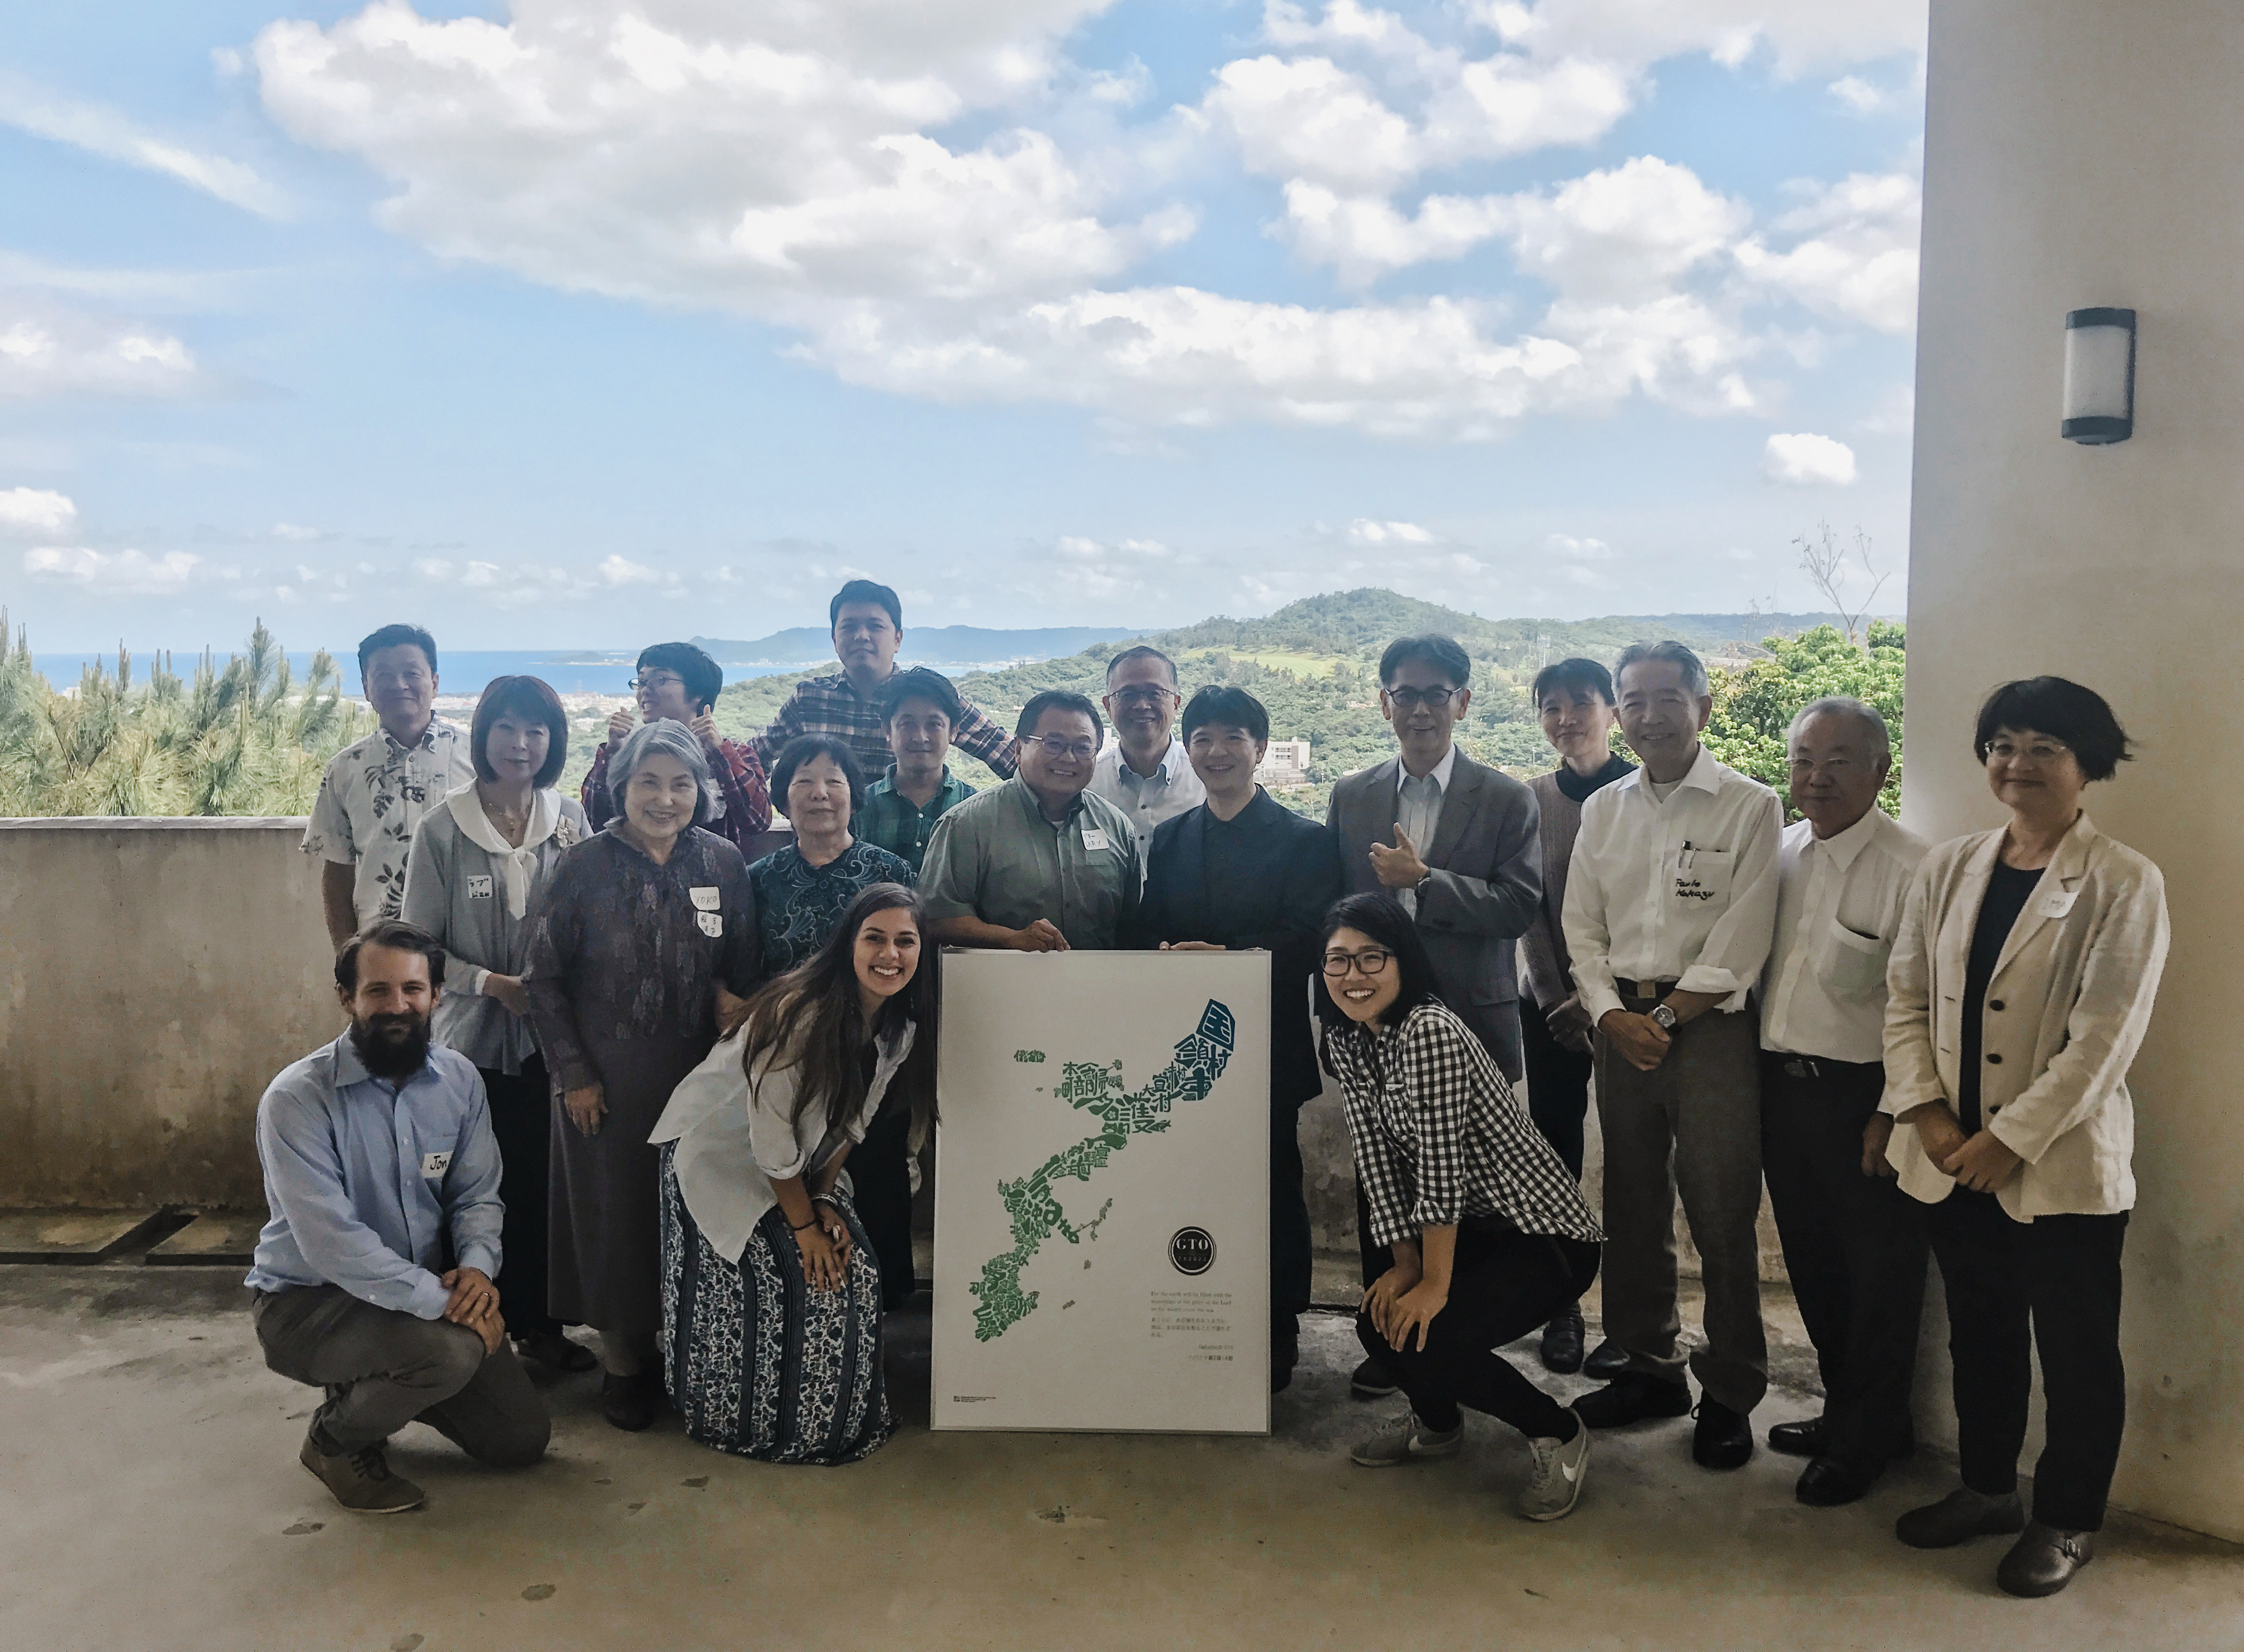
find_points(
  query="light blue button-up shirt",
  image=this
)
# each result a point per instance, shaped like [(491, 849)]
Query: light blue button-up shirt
[(364, 1179)]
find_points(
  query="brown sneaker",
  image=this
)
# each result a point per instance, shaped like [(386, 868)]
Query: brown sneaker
[(360, 1481)]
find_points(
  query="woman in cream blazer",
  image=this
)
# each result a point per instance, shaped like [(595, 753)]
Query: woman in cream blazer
[(2019, 990)]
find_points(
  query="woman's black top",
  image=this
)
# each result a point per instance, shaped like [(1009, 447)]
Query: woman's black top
[(2008, 892)]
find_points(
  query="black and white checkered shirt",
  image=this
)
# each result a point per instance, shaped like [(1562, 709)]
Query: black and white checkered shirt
[(1439, 1137)]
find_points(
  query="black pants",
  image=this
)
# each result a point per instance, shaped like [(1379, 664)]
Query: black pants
[(1504, 1284), (1558, 1086), (2058, 1276), (880, 1177), (522, 1120), (1291, 1248), (1852, 1248)]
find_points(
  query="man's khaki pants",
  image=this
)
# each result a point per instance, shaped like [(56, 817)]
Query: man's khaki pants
[(1690, 1125)]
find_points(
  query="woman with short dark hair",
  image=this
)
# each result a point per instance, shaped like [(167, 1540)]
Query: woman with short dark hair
[(646, 934), (771, 1287), (2018, 991), (476, 863), (1490, 1235)]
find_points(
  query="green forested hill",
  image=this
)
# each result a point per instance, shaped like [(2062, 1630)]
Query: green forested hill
[(1314, 663)]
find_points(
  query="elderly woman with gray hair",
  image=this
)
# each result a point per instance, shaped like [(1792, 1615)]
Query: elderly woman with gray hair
[(646, 934)]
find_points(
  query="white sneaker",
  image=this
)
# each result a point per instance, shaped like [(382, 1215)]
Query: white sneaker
[(1405, 1440), (1560, 1467)]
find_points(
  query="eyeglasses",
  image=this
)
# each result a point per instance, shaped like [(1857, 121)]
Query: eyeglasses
[(1142, 694), (1082, 750), (1410, 699), (653, 682), (2041, 749), (1371, 961)]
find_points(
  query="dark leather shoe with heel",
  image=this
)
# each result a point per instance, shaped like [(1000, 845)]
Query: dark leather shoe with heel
[(1630, 1398), (1370, 1380), (1724, 1438), (1803, 1438), (1562, 1344), (1959, 1517), (1829, 1483), (2043, 1561), (627, 1402), (1606, 1361)]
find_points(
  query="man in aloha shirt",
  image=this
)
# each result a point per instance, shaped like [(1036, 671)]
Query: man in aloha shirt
[(374, 792)]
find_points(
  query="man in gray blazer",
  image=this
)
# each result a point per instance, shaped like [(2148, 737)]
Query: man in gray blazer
[(1455, 842)]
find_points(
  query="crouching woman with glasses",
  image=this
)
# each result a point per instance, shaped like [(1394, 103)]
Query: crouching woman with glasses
[(1490, 1235)]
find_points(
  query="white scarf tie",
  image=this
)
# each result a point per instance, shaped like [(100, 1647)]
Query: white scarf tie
[(519, 866)]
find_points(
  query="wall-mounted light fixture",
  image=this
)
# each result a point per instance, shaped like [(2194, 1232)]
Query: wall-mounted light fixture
[(2099, 375)]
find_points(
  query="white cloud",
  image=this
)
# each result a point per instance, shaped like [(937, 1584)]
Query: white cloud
[(1801, 34), (111, 572), (621, 571), (35, 511), (1808, 461), (1362, 530), (47, 350), (1580, 550), (296, 533), (1857, 257), (114, 136)]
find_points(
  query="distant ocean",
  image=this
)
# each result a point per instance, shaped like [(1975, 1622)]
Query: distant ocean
[(569, 671)]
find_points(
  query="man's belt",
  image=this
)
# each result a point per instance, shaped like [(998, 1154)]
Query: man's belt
[(1654, 990), (1814, 1067)]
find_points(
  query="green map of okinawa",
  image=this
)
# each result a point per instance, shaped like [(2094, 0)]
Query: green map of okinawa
[(1200, 1057)]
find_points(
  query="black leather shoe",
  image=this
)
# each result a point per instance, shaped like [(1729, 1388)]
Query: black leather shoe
[(627, 1402), (1958, 1517), (1370, 1381), (1799, 1439), (1828, 1483), (1630, 1398), (551, 1348), (1724, 1438), (1285, 1354), (2043, 1561), (1562, 1344), (1606, 1361)]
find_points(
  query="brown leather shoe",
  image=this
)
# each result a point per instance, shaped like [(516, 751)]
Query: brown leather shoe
[(2044, 1560), (360, 1481)]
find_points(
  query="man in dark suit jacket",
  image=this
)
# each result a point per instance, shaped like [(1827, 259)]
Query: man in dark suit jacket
[(1242, 872), (1456, 843)]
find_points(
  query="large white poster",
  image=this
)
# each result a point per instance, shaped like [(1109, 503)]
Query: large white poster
[(1102, 1192)]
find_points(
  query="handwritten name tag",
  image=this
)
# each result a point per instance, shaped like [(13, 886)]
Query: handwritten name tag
[(434, 1164), (1094, 840), (2056, 903), (707, 896), (479, 889), (712, 924)]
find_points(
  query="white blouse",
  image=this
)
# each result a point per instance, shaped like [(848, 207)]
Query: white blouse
[(733, 1142)]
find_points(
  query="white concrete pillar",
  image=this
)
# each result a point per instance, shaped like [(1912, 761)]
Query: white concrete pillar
[(2081, 152)]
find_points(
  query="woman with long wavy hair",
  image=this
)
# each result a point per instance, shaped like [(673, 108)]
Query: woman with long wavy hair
[(771, 1293)]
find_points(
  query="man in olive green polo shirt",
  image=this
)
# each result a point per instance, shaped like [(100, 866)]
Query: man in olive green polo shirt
[(1037, 865)]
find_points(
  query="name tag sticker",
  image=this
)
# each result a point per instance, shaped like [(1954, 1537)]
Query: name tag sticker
[(711, 924), (1094, 839), (434, 1164), (479, 889), (2056, 903), (705, 897)]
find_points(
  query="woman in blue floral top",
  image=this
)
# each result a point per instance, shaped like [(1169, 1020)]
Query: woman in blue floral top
[(801, 892)]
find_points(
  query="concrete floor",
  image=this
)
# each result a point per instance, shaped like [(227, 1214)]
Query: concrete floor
[(150, 1498)]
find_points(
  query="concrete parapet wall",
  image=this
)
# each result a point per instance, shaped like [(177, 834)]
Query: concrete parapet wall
[(154, 975)]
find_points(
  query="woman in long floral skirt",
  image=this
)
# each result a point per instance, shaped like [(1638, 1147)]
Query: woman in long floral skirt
[(771, 1294)]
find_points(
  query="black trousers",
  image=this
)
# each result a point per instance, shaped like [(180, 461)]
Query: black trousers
[(1558, 1086), (2050, 1285), (521, 1121), (1852, 1248), (1504, 1284), (1291, 1248), (880, 1177)]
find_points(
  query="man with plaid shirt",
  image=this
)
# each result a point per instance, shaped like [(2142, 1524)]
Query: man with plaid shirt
[(868, 628)]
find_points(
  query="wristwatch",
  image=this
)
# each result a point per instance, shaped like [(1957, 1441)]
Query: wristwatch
[(1663, 1016)]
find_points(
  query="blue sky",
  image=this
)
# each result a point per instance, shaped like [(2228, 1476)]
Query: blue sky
[(576, 322)]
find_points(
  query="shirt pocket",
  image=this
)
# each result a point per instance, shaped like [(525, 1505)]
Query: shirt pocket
[(1854, 965), (1699, 879)]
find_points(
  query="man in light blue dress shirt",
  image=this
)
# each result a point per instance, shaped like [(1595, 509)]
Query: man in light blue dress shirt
[(373, 1277)]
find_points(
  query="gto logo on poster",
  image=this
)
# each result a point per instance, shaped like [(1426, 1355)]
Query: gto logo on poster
[(1190, 1250)]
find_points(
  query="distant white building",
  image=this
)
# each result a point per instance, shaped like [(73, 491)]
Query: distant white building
[(1286, 763)]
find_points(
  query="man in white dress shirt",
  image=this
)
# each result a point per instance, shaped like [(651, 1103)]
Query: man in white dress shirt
[(1145, 773), (1855, 1255), (1670, 899)]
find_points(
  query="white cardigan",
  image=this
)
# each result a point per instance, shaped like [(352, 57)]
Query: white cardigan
[(733, 1143), (2067, 1009)]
